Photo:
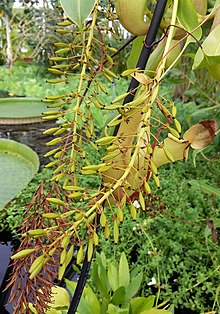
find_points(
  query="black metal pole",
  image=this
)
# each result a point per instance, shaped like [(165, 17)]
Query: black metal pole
[(142, 61)]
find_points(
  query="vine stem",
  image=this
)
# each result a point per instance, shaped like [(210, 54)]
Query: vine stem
[(144, 56)]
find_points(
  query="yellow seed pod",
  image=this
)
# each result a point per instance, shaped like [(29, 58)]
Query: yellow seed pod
[(78, 216), (147, 188), (95, 238), (128, 72), (103, 219), (120, 215), (50, 131), (114, 122), (112, 49), (60, 176), (36, 270), (73, 188), (177, 125), (69, 255), (55, 201), (168, 155), (156, 180), (149, 149), (142, 201), (116, 231), (55, 71), (35, 233), (51, 164), (88, 172), (51, 215), (80, 255), (51, 253), (173, 111), (105, 168), (61, 271), (110, 73), (133, 212), (91, 217), (75, 195), (112, 148), (54, 141), (37, 261), (153, 167), (90, 249), (106, 231), (51, 152), (174, 132), (120, 98), (22, 253), (63, 257), (65, 242), (106, 140)]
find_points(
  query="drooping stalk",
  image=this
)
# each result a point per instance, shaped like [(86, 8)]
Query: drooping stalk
[(144, 56)]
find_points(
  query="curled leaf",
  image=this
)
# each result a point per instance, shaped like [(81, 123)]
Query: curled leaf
[(201, 134)]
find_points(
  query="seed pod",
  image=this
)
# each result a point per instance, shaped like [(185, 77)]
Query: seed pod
[(69, 255), (128, 72), (133, 212), (50, 131), (106, 140), (90, 249), (22, 253), (142, 201), (54, 141), (64, 50), (80, 255), (91, 217), (73, 188), (37, 269), (120, 98), (110, 73), (55, 71), (55, 201), (51, 253), (75, 195), (112, 49), (105, 168), (168, 155), (153, 167), (51, 152), (147, 188), (156, 180), (110, 156), (51, 164), (38, 260), (106, 231), (60, 44), (95, 238), (114, 122), (116, 231), (93, 167), (61, 271), (51, 215), (63, 257), (177, 125), (174, 111), (35, 233), (120, 215), (174, 132), (65, 242), (103, 219)]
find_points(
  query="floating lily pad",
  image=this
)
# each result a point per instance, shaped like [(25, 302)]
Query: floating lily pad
[(18, 165), (21, 110)]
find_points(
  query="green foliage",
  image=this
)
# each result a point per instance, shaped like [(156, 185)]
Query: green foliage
[(114, 289)]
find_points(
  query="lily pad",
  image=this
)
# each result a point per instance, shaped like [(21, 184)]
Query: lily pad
[(21, 110), (18, 165)]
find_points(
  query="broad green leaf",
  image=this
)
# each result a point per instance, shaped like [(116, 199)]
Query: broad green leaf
[(113, 309), (77, 10), (113, 277), (135, 52), (124, 274), (18, 165), (59, 297), (187, 17), (71, 286), (119, 296), (203, 187), (211, 50), (133, 286), (99, 278), (92, 300), (140, 304)]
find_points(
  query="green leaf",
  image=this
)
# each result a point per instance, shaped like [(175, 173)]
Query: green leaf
[(199, 185), (71, 286), (92, 300), (187, 17), (113, 277), (135, 52), (77, 10), (211, 51), (119, 296), (113, 309), (133, 286), (140, 304), (18, 165), (124, 274)]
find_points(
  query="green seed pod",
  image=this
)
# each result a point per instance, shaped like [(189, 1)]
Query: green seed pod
[(22, 253)]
